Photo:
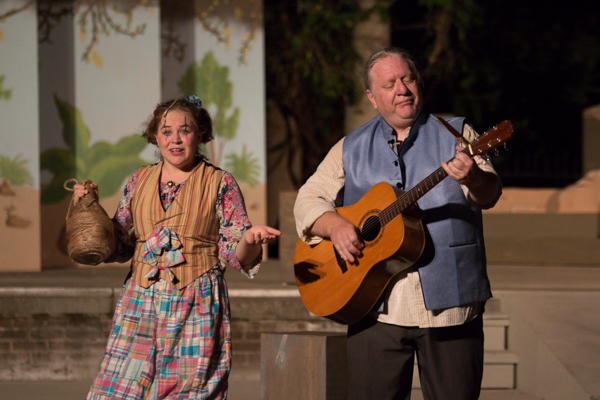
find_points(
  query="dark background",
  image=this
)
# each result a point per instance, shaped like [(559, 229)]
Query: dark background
[(535, 63)]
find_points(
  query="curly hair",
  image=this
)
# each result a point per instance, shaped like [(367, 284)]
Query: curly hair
[(200, 116)]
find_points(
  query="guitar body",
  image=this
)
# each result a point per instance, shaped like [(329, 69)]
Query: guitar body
[(344, 292)]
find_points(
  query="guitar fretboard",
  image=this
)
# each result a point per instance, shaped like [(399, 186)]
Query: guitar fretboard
[(409, 198)]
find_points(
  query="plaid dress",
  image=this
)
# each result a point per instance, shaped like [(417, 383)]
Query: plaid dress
[(167, 343)]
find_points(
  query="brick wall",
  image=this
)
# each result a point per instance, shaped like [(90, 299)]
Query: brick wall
[(47, 344), (51, 347)]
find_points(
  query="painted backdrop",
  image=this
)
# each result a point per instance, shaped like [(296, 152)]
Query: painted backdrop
[(76, 88)]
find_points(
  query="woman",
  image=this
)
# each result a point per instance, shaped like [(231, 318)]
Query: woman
[(171, 329)]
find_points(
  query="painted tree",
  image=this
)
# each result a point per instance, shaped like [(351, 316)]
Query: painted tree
[(15, 170), (210, 81), (104, 163), (244, 167), (4, 93), (216, 17), (96, 18)]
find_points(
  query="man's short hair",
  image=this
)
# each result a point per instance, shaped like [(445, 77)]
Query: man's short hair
[(387, 52)]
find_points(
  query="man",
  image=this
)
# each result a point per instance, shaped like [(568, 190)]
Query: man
[(434, 308)]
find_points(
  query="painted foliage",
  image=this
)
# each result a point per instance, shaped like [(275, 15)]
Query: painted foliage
[(210, 81), (112, 58), (104, 163)]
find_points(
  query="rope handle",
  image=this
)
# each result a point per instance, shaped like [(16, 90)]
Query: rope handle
[(85, 182)]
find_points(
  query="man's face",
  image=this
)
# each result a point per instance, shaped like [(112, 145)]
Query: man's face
[(395, 92)]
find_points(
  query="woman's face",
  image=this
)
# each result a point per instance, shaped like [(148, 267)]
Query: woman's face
[(178, 139)]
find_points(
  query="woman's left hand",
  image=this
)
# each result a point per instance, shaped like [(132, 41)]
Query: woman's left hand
[(260, 234)]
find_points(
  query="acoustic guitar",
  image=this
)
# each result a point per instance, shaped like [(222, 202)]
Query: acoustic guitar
[(389, 223)]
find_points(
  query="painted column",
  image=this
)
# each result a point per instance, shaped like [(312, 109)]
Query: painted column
[(223, 64), (101, 81), (19, 144)]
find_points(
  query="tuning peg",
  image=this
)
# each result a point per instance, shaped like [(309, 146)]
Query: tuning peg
[(496, 152)]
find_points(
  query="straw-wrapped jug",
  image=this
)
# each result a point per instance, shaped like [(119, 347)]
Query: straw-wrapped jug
[(90, 233)]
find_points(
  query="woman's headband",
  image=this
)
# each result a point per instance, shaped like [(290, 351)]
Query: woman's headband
[(190, 99)]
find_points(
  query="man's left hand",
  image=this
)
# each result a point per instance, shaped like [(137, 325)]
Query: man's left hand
[(462, 168)]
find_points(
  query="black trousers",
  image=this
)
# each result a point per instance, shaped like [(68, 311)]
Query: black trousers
[(381, 360)]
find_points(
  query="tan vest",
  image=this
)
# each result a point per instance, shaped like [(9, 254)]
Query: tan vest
[(192, 216)]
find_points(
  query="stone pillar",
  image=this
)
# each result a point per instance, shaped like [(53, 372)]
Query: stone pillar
[(19, 139), (369, 36), (289, 236), (591, 138), (281, 193)]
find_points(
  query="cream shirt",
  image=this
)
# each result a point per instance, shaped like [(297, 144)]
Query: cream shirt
[(405, 304)]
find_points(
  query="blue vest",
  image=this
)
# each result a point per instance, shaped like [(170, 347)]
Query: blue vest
[(452, 267)]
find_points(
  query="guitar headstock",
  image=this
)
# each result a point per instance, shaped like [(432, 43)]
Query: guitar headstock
[(491, 139)]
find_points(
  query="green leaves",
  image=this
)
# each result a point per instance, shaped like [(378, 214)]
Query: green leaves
[(61, 164), (75, 134), (104, 163), (4, 93), (311, 70), (228, 126), (15, 170), (210, 82), (243, 167)]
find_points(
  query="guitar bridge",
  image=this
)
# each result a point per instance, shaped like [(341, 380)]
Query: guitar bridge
[(341, 262)]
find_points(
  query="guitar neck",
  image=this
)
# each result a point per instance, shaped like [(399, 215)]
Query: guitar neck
[(407, 199), (489, 141)]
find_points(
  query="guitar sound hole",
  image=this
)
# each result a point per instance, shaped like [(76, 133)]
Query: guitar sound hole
[(371, 229)]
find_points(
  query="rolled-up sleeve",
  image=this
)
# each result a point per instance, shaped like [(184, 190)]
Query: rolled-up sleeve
[(317, 196)]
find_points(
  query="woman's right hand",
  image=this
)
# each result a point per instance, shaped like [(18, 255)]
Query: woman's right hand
[(80, 191)]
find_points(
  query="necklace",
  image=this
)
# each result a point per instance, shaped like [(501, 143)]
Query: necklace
[(170, 184)]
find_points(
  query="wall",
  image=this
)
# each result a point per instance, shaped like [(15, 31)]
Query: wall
[(61, 334), (591, 138), (546, 226), (19, 140)]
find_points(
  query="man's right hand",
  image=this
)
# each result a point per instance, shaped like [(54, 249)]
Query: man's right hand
[(342, 233)]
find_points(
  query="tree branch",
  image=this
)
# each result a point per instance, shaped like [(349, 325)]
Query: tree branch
[(16, 10)]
